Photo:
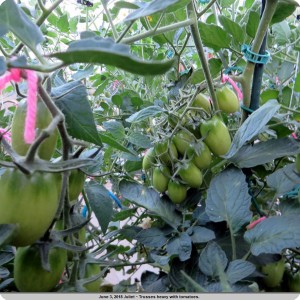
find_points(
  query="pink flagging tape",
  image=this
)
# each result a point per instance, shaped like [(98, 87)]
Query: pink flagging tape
[(226, 78), (29, 131)]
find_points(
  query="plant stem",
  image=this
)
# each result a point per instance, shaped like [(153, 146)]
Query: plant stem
[(67, 145), (249, 69), (113, 28), (158, 31), (233, 244), (198, 43)]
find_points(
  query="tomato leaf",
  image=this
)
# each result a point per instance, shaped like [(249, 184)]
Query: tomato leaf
[(253, 125), (201, 234), (180, 246), (115, 128), (106, 51), (274, 234), (156, 6), (106, 139), (152, 237), (150, 199), (13, 19), (139, 139), (297, 83), (212, 260), (238, 270), (228, 199), (232, 28), (253, 155), (100, 202), (252, 23), (6, 231), (283, 10), (214, 36), (284, 179), (71, 98), (145, 113)]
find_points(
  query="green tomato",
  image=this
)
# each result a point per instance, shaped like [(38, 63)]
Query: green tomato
[(29, 274), (175, 118), (216, 136), (76, 183), (227, 100), (273, 273), (298, 163), (30, 202), (161, 177), (166, 152), (43, 119), (202, 101), (149, 159), (182, 140), (176, 191), (293, 282), (201, 155), (191, 175), (90, 271)]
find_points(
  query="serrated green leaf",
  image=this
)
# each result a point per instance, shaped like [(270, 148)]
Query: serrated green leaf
[(212, 260), (106, 139), (100, 202), (225, 203), (105, 51), (13, 19), (71, 98), (152, 237), (214, 36), (238, 270), (284, 9), (284, 179), (139, 139), (201, 235), (232, 28), (115, 128), (150, 199), (282, 32), (264, 152), (63, 23), (252, 23), (274, 234), (180, 246), (145, 113), (253, 126), (156, 6)]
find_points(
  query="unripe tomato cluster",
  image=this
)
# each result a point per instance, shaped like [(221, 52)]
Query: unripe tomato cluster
[(30, 202), (176, 163)]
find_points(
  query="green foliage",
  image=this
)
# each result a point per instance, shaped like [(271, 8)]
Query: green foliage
[(119, 78)]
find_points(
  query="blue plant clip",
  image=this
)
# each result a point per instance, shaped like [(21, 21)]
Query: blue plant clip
[(203, 1), (232, 69), (113, 196), (255, 57)]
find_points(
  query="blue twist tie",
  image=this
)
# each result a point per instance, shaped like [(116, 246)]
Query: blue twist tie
[(113, 196), (170, 54), (84, 212), (255, 57)]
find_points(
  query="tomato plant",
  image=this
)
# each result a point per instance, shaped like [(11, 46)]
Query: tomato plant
[(141, 155)]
